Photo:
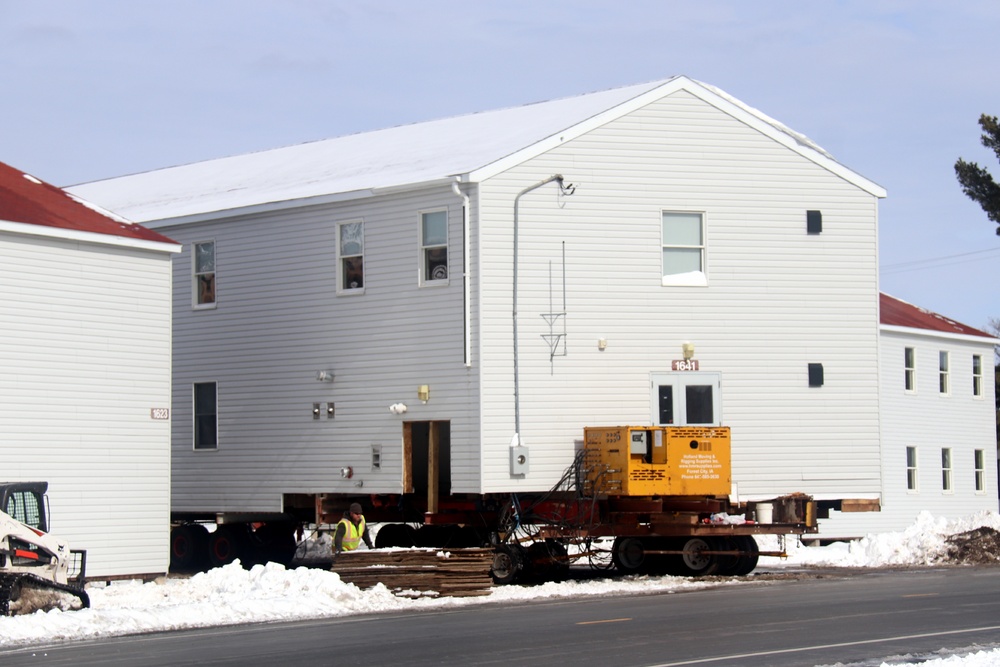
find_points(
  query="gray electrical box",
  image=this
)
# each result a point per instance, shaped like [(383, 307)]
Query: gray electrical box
[(518, 460)]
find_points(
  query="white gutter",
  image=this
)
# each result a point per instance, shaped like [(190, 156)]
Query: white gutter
[(466, 299), (86, 237)]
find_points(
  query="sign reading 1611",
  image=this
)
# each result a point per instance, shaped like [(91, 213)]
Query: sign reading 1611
[(684, 365), (159, 413)]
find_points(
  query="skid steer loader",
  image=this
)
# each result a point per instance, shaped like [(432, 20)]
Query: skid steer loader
[(37, 570)]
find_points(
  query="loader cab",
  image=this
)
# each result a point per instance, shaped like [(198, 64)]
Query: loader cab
[(25, 502)]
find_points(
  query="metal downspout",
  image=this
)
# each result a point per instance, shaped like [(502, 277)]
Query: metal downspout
[(516, 440)]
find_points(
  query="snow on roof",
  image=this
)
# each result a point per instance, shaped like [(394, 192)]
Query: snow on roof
[(469, 147), (28, 200), (896, 312)]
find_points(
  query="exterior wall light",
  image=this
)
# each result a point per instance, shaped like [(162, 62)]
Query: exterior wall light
[(424, 393), (688, 350)]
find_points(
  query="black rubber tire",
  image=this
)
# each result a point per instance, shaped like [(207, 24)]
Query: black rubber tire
[(271, 543), (508, 564), (728, 564), (547, 561), (628, 554), (694, 562), (188, 547), (395, 535), (227, 544), (748, 560)]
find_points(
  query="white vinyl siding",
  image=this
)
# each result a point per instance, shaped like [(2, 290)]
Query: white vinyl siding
[(772, 287), (280, 327), (85, 347)]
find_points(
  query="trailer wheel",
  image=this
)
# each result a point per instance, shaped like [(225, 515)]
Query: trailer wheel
[(395, 535), (696, 563), (508, 563), (747, 561), (226, 544), (188, 543), (547, 561), (271, 542), (628, 554)]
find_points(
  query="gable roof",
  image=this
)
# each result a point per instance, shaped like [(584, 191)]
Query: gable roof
[(467, 148), (895, 312), (27, 201)]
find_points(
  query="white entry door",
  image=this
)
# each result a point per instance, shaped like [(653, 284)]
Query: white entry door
[(686, 398)]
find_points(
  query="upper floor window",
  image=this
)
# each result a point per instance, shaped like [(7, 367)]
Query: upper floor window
[(203, 266), (683, 249), (944, 383), (911, 468), (910, 369), (977, 375), (945, 469), (434, 246), (206, 423), (351, 250)]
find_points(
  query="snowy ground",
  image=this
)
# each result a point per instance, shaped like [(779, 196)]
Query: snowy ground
[(232, 595)]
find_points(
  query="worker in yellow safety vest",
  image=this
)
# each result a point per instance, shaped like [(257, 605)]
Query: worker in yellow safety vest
[(351, 530)]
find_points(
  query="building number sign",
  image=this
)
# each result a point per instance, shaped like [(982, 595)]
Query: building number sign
[(159, 413), (684, 365)]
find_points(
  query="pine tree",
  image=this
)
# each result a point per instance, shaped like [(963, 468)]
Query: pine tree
[(977, 183)]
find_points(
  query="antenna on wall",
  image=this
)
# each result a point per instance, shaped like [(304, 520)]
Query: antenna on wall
[(556, 341)]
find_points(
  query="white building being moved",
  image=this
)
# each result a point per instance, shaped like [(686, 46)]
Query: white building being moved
[(660, 253)]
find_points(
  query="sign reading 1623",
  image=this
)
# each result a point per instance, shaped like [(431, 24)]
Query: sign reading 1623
[(159, 413)]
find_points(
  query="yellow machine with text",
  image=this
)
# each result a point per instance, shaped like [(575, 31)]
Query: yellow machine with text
[(658, 460)]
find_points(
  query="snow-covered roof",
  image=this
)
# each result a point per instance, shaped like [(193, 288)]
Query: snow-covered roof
[(895, 312), (30, 205), (468, 148)]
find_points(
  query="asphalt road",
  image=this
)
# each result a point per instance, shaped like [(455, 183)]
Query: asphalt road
[(821, 619)]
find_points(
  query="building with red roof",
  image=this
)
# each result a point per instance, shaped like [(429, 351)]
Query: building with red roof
[(85, 347)]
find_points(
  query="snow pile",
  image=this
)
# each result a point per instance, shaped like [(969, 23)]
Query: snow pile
[(928, 541)]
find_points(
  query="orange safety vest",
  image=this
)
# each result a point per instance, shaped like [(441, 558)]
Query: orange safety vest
[(352, 534)]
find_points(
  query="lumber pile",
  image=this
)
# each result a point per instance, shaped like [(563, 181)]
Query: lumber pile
[(419, 572)]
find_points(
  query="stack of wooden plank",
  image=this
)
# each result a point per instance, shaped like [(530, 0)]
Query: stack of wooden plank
[(417, 572)]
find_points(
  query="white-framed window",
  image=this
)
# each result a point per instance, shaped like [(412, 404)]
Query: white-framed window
[(946, 469), (686, 398), (944, 380), (206, 415), (683, 248), (911, 469), (351, 256), (977, 376), (980, 462), (203, 274), (910, 370), (434, 247)]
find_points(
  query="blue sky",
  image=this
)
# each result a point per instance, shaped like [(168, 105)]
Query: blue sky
[(893, 89)]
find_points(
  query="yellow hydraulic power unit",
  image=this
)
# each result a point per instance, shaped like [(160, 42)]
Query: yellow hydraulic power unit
[(658, 460)]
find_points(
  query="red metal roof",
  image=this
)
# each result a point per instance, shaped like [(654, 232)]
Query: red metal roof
[(898, 313), (26, 199)]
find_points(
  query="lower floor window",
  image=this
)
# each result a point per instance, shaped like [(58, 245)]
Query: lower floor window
[(911, 468), (206, 428)]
